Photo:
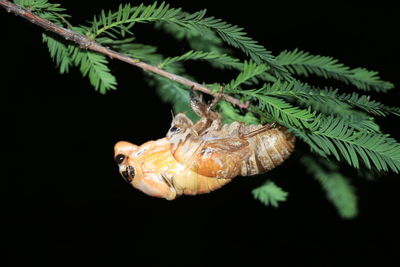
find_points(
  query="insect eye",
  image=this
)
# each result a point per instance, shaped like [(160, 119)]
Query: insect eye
[(175, 129), (119, 158)]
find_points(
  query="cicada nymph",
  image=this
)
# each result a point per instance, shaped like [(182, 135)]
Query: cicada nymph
[(197, 158)]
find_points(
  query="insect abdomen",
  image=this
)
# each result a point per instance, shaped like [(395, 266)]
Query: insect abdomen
[(268, 150), (198, 184)]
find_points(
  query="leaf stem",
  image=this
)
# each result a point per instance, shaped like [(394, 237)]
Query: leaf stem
[(85, 43)]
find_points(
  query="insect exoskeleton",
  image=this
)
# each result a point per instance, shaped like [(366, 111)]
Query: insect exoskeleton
[(197, 158), (231, 150), (152, 169)]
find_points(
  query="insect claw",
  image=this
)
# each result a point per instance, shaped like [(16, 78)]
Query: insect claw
[(195, 98), (218, 96)]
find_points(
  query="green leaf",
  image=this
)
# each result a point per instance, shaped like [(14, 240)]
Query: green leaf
[(336, 137), (331, 97), (286, 113), (59, 52), (303, 63), (45, 10), (140, 51), (206, 40), (270, 194), (176, 95), (282, 111), (91, 64), (336, 186), (95, 66), (126, 16), (250, 71), (230, 114), (220, 60), (236, 37)]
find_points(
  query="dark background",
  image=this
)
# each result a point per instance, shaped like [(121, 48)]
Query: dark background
[(66, 204)]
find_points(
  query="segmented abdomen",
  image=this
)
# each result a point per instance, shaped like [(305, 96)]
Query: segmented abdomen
[(195, 183), (233, 149), (267, 150)]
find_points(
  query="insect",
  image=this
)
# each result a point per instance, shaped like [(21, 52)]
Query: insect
[(197, 158)]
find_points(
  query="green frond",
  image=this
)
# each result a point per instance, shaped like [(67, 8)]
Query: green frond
[(45, 10), (236, 37), (357, 119), (331, 97), (59, 52), (282, 111), (174, 94), (365, 103), (270, 194), (122, 21), (115, 42), (336, 137), (230, 114), (206, 40), (221, 60), (368, 80), (303, 63), (336, 186), (140, 51), (95, 66), (92, 64), (250, 71), (340, 193), (360, 122), (39, 5)]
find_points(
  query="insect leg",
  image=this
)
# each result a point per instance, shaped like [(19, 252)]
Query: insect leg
[(216, 99), (202, 109), (197, 104), (167, 180), (264, 128)]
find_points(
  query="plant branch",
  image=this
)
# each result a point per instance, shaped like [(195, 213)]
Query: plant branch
[(86, 43)]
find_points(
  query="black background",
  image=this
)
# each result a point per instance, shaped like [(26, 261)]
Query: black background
[(66, 204)]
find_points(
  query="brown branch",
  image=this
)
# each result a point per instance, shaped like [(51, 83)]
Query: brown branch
[(85, 43)]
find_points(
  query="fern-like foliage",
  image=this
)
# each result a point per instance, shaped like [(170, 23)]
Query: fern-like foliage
[(95, 66), (250, 71), (336, 137), (337, 186), (223, 60), (90, 64), (65, 54), (303, 63), (171, 92), (121, 22), (235, 36), (46, 10), (338, 127), (281, 111), (231, 114), (329, 97), (270, 194), (59, 52)]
